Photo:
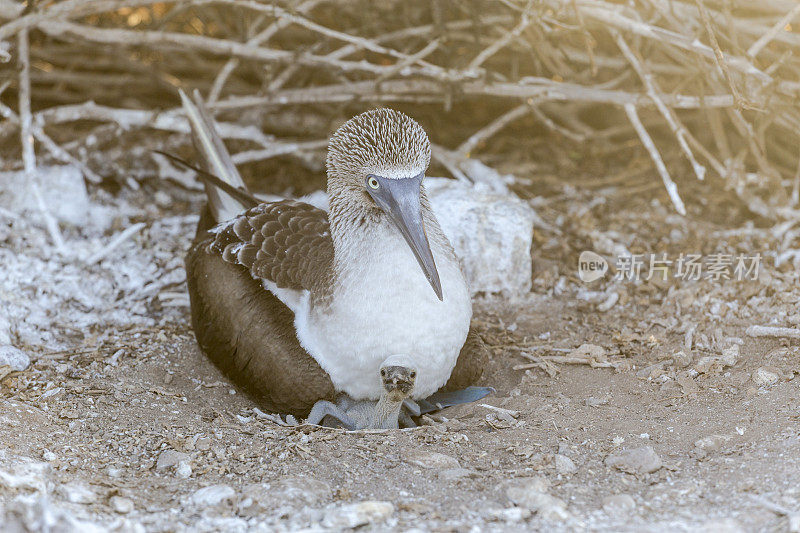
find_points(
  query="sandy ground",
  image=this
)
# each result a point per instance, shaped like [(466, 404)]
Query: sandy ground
[(682, 423)]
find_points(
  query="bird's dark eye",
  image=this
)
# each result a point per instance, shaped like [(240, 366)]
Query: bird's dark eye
[(413, 374), (373, 183), (383, 372)]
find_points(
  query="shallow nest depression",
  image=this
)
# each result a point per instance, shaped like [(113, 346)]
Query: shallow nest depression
[(661, 128)]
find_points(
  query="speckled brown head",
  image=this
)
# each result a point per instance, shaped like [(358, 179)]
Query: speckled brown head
[(376, 163), (382, 142)]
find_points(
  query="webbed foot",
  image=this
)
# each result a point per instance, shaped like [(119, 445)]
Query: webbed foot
[(440, 400), (324, 408)]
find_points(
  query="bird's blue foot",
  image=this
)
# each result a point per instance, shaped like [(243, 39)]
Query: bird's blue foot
[(441, 400)]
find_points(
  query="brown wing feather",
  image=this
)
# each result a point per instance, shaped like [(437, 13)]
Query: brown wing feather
[(286, 242), (249, 334)]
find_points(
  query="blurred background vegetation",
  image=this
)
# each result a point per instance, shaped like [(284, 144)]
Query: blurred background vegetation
[(694, 102)]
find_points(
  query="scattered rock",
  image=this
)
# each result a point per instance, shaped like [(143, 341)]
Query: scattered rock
[(36, 513), (121, 505), (183, 470), (510, 515), (213, 495), (14, 357), (532, 494), (730, 355), (711, 363), (452, 474), (722, 525), (170, 458), (591, 352), (591, 401), (358, 514), (642, 460), (24, 473), (307, 491), (431, 460), (77, 493), (764, 378), (794, 523), (618, 505), (712, 443), (681, 359), (564, 465), (491, 234), (653, 371)]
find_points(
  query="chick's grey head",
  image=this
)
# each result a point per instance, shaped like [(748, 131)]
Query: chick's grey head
[(376, 163), (398, 377)]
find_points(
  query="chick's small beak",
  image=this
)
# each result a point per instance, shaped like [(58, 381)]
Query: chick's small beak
[(400, 200), (398, 381)]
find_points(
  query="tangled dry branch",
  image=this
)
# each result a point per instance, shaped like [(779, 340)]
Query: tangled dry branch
[(716, 82)]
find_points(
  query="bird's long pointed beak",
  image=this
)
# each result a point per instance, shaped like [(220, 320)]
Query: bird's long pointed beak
[(400, 199)]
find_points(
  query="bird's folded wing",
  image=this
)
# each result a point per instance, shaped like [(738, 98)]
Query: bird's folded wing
[(287, 243)]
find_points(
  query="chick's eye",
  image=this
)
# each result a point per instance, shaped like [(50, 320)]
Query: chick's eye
[(413, 374), (373, 183), (383, 372)]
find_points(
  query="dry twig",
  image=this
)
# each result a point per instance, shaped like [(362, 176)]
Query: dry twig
[(26, 139), (647, 141), (550, 59)]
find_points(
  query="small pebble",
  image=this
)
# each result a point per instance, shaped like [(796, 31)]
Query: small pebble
[(183, 470), (682, 359), (642, 460), (453, 474), (121, 505), (431, 460), (77, 493), (531, 494), (730, 355), (212, 495), (794, 523), (564, 465), (14, 357), (307, 490), (712, 443), (170, 458), (510, 515), (764, 378), (618, 504), (358, 514), (591, 401), (722, 525)]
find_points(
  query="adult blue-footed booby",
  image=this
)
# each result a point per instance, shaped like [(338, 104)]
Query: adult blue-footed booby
[(298, 304)]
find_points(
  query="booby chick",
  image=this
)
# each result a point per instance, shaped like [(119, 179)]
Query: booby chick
[(298, 304), (397, 378)]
